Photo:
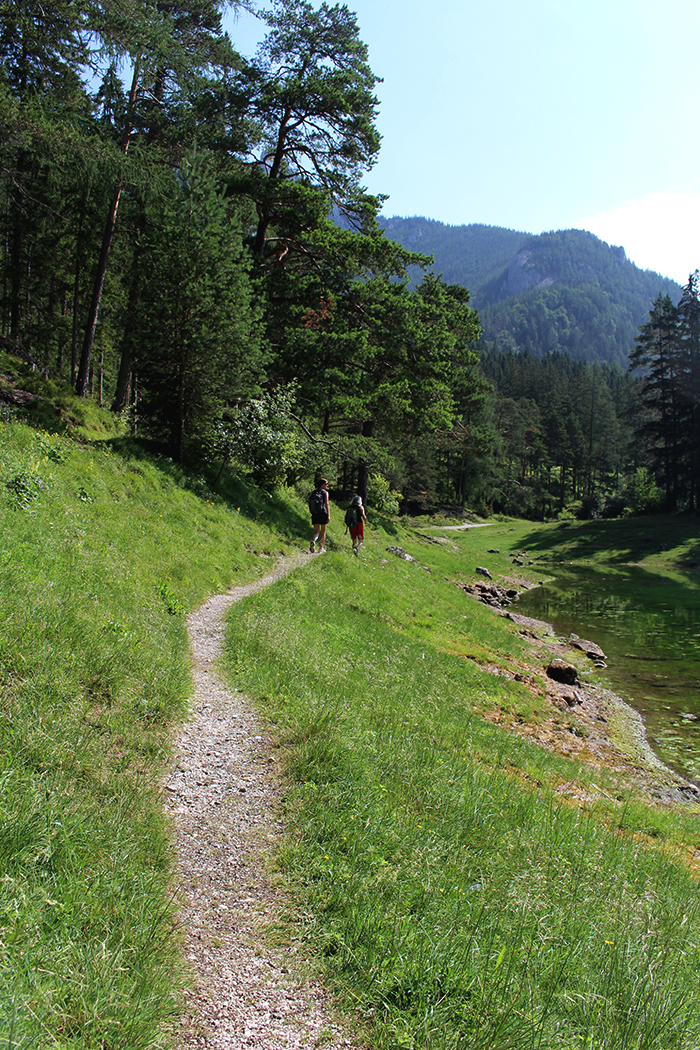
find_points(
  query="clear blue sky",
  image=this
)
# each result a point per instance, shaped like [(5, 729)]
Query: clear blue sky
[(539, 115)]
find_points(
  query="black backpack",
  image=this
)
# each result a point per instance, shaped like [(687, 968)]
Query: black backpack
[(352, 516), (317, 501)]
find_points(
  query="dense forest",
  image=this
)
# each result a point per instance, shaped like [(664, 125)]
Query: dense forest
[(560, 291), (187, 241)]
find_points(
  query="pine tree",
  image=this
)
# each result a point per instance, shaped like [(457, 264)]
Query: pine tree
[(656, 351), (168, 47), (310, 93), (688, 338), (201, 346)]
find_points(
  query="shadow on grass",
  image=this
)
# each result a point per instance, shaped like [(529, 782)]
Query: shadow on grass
[(622, 542), (383, 521), (280, 511)]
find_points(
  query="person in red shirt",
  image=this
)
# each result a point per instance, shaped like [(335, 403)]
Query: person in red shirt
[(357, 530)]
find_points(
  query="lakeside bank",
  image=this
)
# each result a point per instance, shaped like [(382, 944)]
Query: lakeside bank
[(603, 725)]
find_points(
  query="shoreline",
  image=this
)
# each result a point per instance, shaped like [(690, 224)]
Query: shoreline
[(604, 730)]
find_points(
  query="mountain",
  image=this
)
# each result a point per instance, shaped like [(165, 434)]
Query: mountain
[(560, 291)]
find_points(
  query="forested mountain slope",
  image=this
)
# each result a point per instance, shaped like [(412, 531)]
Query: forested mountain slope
[(560, 291)]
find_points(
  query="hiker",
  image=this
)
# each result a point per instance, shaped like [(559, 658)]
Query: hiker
[(355, 519), (320, 514)]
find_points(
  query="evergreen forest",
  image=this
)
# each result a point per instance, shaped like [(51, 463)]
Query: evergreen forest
[(186, 240)]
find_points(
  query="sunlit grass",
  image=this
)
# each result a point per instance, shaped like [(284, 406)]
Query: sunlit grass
[(100, 557), (454, 898)]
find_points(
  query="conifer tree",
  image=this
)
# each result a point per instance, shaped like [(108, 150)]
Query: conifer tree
[(688, 336), (201, 346), (310, 94), (167, 46), (656, 352)]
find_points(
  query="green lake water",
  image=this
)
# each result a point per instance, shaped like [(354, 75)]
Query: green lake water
[(650, 632)]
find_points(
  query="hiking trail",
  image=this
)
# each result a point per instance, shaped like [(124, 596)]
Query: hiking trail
[(224, 794)]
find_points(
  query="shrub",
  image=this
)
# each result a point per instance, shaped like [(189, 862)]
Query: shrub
[(382, 496)]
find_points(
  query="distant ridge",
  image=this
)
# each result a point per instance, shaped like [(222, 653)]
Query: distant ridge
[(564, 291)]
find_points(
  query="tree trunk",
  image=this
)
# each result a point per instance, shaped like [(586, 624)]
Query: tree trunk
[(121, 395), (264, 211), (363, 465), (89, 339), (76, 293), (15, 284), (81, 385), (179, 429)]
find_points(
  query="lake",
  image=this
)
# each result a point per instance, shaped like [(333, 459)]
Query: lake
[(650, 631)]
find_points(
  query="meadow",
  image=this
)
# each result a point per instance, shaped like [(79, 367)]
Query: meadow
[(456, 898), (453, 895)]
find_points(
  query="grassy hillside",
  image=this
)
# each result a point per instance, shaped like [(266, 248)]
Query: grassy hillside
[(463, 886), (102, 552)]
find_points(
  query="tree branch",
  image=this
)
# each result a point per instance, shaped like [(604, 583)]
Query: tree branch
[(315, 440)]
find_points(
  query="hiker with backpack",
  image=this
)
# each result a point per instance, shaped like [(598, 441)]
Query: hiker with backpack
[(320, 514), (355, 519)]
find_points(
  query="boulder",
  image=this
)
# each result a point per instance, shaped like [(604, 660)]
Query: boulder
[(401, 553), (483, 572), (593, 651), (490, 593), (561, 671)]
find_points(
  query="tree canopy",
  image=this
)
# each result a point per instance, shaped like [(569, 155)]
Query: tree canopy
[(186, 237)]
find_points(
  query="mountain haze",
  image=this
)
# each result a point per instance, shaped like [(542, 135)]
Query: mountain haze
[(559, 291)]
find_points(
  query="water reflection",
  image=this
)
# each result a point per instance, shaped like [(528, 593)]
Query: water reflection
[(652, 642)]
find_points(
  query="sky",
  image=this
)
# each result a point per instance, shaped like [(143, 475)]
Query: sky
[(538, 115)]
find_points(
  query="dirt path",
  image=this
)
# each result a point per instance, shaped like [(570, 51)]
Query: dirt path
[(463, 528), (224, 797)]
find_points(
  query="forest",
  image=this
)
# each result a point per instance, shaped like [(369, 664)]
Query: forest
[(561, 290), (186, 241)]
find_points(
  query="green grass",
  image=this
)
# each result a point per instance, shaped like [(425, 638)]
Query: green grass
[(662, 544), (454, 899), (101, 555)]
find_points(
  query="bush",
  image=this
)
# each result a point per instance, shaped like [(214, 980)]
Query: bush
[(381, 496), (645, 495), (264, 439)]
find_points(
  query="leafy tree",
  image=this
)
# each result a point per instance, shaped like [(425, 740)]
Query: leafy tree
[(310, 93), (264, 438)]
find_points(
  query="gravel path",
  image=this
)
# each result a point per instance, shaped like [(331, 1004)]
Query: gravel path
[(224, 797)]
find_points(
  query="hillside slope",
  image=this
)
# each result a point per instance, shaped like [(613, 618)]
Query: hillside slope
[(438, 861), (559, 291)]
